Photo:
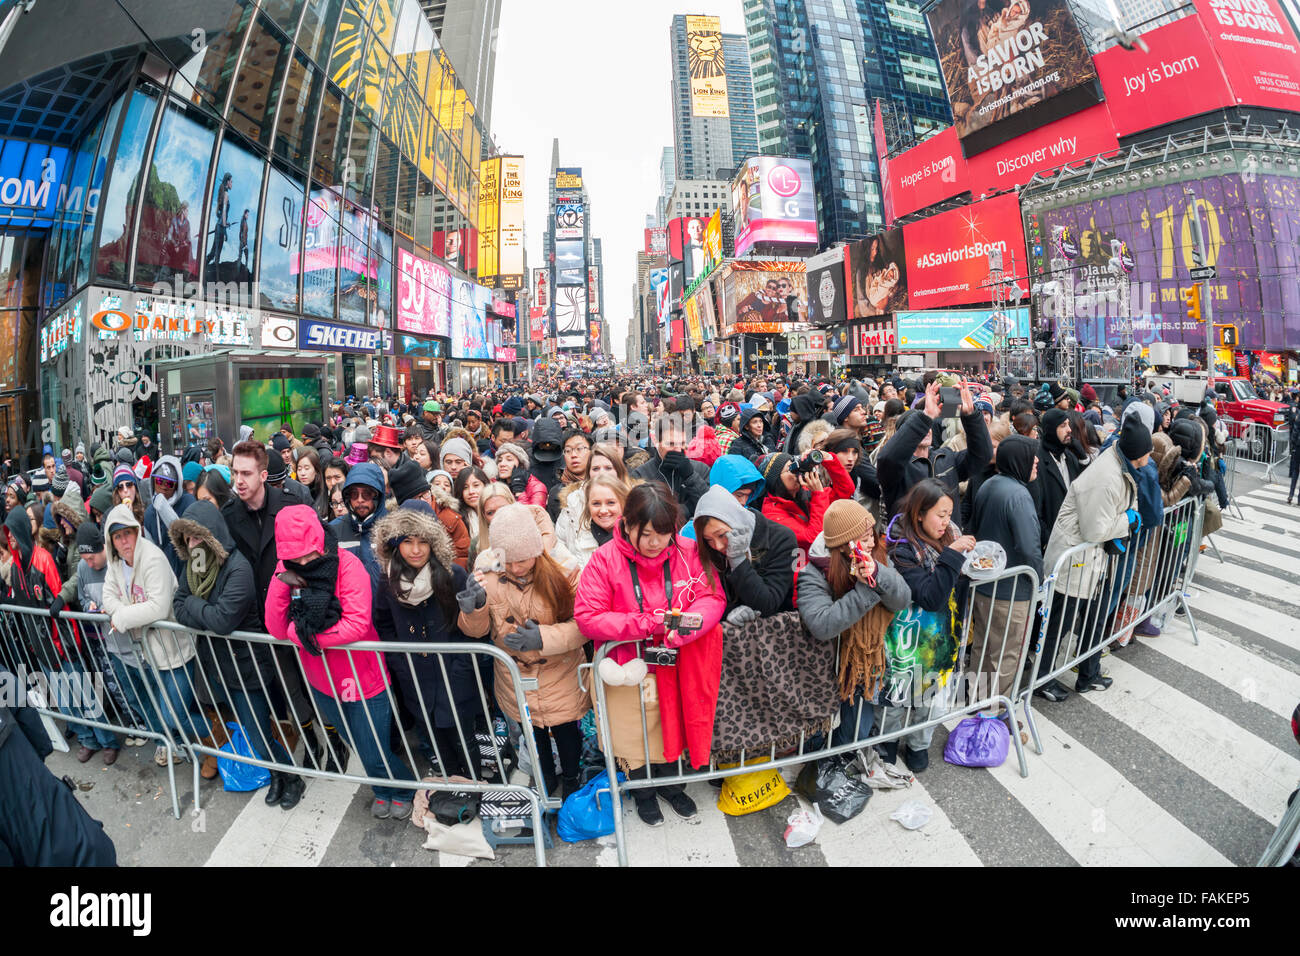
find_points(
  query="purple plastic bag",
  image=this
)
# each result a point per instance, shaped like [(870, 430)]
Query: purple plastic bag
[(979, 741)]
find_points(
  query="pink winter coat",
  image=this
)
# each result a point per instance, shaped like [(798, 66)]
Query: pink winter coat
[(298, 531), (535, 493)]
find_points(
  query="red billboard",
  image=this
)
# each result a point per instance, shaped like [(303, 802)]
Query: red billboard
[(1179, 77), (928, 173), (656, 241), (947, 255), (1076, 137), (1258, 50)]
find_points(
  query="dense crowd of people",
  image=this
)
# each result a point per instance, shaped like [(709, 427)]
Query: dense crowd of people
[(550, 520)]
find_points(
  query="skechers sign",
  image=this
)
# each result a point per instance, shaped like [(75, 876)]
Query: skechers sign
[(327, 337)]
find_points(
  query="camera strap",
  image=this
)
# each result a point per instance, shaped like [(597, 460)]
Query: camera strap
[(636, 584)]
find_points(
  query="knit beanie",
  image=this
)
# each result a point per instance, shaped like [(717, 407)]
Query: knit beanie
[(844, 407), (458, 447), (1088, 393), (90, 540), (59, 483), (728, 414), (192, 471), (514, 531), (510, 448), (1134, 439), (121, 475), (845, 520), (407, 481), (771, 466)]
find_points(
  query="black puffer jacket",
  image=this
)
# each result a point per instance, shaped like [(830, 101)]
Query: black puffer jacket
[(898, 470), (807, 406), (746, 444), (687, 487)]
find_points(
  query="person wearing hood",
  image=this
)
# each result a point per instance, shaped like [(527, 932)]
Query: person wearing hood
[(846, 445), (138, 589), (363, 494), (547, 454), (685, 478), (69, 514), (217, 593), (416, 601), (169, 502), (854, 599), (796, 498), (1004, 512), (751, 555), (753, 436), (1058, 467), (320, 598)]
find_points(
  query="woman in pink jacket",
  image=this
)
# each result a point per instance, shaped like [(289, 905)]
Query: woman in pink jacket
[(320, 598), (629, 583), (512, 470)]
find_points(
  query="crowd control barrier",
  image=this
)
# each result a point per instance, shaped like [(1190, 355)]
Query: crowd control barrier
[(1285, 841), (1257, 444)]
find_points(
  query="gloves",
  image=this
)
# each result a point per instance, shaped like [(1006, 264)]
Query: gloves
[(518, 482), (526, 637), (1134, 520), (1223, 467), (737, 547), (676, 462), (472, 598), (56, 606), (743, 615)]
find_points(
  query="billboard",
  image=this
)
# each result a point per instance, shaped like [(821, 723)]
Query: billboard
[(571, 316), (686, 243), (659, 288), (947, 255), (1079, 136), (826, 301), (1141, 240), (570, 178), (423, 295), (707, 66), (570, 263), (469, 328), (537, 324), (569, 220), (489, 235), (713, 241), (929, 172), (953, 329), (593, 287), (1258, 49), (542, 286), (760, 293), (875, 274), (772, 200), (656, 241), (510, 223), (1000, 57)]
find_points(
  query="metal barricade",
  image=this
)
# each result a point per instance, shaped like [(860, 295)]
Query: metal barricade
[(1091, 598), (85, 676), (1252, 446), (1284, 842), (261, 683), (994, 632)]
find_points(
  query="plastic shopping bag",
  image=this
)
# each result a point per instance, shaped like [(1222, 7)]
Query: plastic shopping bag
[(588, 813), (979, 741), (827, 783), (744, 793), (235, 775)]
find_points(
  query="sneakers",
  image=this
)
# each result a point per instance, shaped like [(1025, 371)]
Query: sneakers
[(682, 805), (1054, 691), (160, 756), (1147, 628), (1101, 682), (649, 812), (381, 809), (399, 809), (136, 741)]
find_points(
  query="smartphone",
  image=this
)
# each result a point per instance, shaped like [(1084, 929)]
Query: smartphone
[(951, 399)]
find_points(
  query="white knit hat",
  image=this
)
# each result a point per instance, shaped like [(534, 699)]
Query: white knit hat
[(515, 533)]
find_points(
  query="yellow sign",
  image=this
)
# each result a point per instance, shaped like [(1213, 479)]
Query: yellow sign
[(713, 241), (510, 224), (707, 67), (567, 180), (489, 238)]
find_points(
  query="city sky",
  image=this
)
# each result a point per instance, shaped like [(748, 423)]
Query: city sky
[(598, 77)]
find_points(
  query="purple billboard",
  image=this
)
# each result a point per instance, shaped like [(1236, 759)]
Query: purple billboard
[(1139, 244)]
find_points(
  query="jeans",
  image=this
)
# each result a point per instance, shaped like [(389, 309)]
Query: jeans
[(892, 718), (856, 713), (92, 738), (253, 713), (174, 687), (372, 746)]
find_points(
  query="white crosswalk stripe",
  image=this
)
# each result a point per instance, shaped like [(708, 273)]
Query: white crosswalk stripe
[(1086, 800)]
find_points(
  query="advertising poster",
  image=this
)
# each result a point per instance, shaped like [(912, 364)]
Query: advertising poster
[(537, 324), (877, 274), (510, 222), (568, 178), (707, 67), (267, 403), (686, 243), (469, 331), (772, 200), (489, 235), (760, 292), (659, 286), (656, 241), (1145, 236), (827, 304), (713, 241), (571, 316), (1072, 139), (874, 338), (888, 202), (1000, 57), (542, 287), (958, 328), (691, 308), (423, 295), (593, 287), (1180, 77), (947, 255), (569, 220), (930, 172), (1258, 49), (570, 263)]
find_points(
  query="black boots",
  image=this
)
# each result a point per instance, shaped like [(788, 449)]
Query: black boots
[(275, 792), (293, 790), (569, 784)]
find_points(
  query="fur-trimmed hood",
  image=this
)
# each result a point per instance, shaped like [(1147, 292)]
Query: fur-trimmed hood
[(202, 520), (414, 519), (65, 509)]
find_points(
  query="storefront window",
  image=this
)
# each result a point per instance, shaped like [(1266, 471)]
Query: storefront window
[(252, 101), (381, 255), (232, 222), (119, 206), (281, 238), (171, 216), (356, 282)]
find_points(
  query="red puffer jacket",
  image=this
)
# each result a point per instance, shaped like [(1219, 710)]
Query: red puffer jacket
[(807, 527)]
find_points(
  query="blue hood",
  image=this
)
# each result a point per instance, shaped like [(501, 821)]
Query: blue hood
[(367, 473), (733, 471)]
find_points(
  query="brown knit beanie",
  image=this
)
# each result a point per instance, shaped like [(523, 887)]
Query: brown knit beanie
[(515, 533), (845, 521)]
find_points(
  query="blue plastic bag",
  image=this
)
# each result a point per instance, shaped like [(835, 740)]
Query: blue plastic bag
[(588, 814), (236, 776), (979, 741)]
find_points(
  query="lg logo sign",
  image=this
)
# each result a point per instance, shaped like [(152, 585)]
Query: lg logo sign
[(786, 183)]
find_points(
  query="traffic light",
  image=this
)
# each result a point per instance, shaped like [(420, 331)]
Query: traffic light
[(1227, 335), (1192, 297)]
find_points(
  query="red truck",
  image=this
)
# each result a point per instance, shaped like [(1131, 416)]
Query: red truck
[(1235, 399)]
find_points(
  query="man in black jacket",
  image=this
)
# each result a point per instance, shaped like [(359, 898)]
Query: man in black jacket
[(803, 409), (909, 456), (687, 479)]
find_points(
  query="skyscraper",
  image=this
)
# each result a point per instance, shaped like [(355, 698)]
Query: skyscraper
[(710, 147), (819, 66), (467, 30)]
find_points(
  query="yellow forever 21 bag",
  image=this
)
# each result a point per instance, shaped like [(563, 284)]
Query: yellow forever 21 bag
[(745, 793)]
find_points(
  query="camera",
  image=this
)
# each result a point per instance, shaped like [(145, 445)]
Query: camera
[(660, 656), (808, 463), (951, 398)]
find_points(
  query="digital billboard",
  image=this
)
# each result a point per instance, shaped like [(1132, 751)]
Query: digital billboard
[(510, 223), (947, 255), (707, 66), (876, 274), (537, 324), (659, 287), (570, 263), (569, 220), (570, 178), (469, 328), (952, 329), (686, 244), (713, 241), (760, 293), (1141, 241), (772, 201), (930, 172), (1000, 57), (1071, 139), (423, 295), (542, 286), (1258, 49), (593, 287), (571, 317), (656, 241), (489, 236), (826, 301)]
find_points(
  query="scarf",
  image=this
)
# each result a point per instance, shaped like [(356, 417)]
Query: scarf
[(600, 535), (569, 478), (862, 651), (415, 589), (202, 583), (315, 608)]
